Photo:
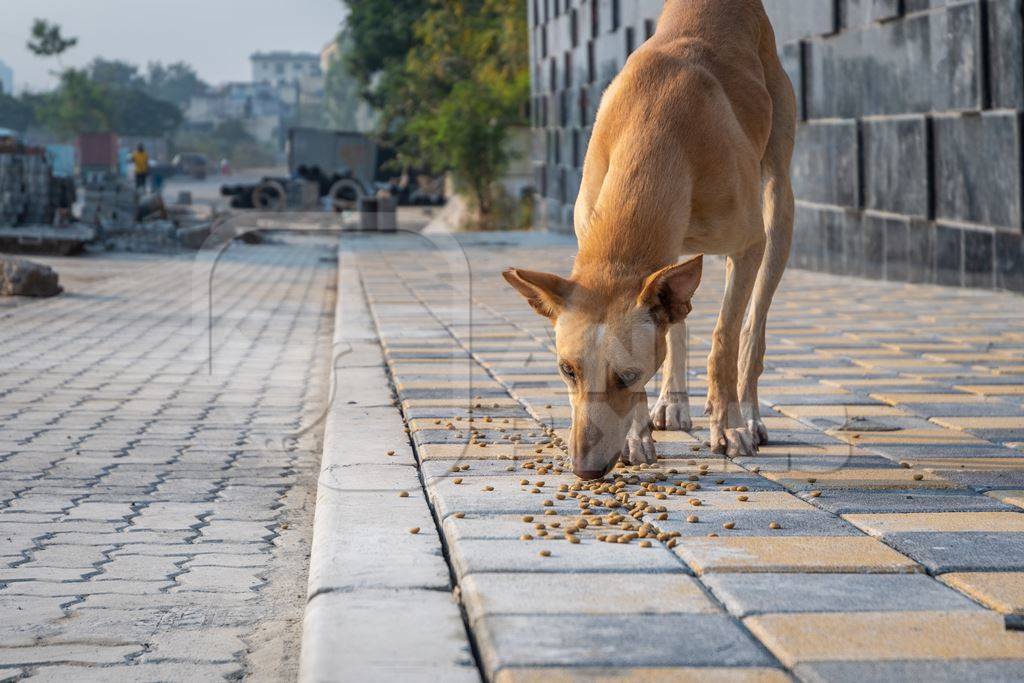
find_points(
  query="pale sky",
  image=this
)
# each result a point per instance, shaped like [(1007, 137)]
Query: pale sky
[(215, 36)]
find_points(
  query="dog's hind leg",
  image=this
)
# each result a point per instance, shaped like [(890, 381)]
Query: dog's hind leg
[(778, 209), (779, 203), (672, 411), (729, 433)]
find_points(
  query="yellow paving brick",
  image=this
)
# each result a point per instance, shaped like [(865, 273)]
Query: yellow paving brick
[(980, 422), (820, 554), (908, 397), (859, 477), (841, 411), (816, 390), (541, 392), (884, 523), (1001, 591), (866, 636), (1010, 497), (659, 675)]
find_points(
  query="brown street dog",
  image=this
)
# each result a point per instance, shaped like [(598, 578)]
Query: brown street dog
[(690, 154)]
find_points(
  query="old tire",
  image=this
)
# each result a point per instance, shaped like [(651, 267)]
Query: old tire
[(269, 195), (345, 194)]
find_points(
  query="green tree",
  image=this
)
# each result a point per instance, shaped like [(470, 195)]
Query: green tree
[(16, 113), (449, 78), (79, 105), (176, 83), (47, 40), (133, 112), (114, 73)]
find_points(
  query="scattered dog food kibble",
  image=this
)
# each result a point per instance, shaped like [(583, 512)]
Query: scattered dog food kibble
[(414, 530), (729, 525), (774, 525), (403, 494), (693, 519), (391, 452), (545, 553)]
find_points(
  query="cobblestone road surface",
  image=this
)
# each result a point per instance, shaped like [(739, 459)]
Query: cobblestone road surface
[(154, 523), (894, 476)]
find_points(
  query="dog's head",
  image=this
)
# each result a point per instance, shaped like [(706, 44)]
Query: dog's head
[(610, 342)]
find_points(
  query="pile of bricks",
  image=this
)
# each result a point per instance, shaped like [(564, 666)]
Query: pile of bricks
[(25, 178), (109, 201)]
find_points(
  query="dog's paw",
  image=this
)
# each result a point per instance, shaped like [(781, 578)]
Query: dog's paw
[(729, 434), (758, 431), (672, 412), (640, 445)]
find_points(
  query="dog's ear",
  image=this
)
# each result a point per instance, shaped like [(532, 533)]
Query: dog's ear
[(667, 292), (547, 293)]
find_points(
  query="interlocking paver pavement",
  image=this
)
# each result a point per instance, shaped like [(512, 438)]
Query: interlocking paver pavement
[(893, 475), (154, 520)]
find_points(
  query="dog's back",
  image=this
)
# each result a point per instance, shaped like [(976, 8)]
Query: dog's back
[(684, 126)]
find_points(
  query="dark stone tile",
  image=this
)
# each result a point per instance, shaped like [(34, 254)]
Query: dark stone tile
[(884, 10), (1009, 248), (936, 66), (948, 262), (957, 53), (853, 244), (795, 19), (1005, 53), (825, 163), (808, 244), (792, 57), (896, 165), (977, 169), (978, 259), (920, 251), (873, 230), (897, 250), (832, 227)]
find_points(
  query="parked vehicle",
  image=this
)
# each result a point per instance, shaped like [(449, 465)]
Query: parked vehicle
[(191, 164)]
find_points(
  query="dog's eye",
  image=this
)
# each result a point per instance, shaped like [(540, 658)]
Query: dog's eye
[(627, 379), (567, 371)]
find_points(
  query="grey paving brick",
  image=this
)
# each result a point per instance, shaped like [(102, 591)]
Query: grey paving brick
[(996, 671), (747, 594), (846, 501), (572, 640), (589, 556), (962, 551)]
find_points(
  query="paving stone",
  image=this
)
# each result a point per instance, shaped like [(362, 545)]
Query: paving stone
[(381, 635), (1001, 591), (962, 551), (473, 556), (882, 525), (851, 554), (938, 671), (846, 501), (749, 594), (550, 594), (694, 674), (864, 636)]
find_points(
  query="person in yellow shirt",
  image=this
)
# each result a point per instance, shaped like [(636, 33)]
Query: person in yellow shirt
[(141, 161)]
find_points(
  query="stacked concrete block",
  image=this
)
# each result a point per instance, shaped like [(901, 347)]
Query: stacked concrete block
[(909, 155), (24, 189), (110, 201)]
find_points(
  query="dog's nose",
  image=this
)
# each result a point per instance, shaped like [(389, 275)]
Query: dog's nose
[(591, 474)]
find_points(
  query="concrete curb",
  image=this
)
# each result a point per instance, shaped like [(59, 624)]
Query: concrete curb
[(379, 604)]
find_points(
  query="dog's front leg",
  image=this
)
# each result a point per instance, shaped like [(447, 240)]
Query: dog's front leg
[(639, 441), (672, 411), (729, 434)]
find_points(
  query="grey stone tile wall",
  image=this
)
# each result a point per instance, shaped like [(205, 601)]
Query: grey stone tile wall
[(910, 148)]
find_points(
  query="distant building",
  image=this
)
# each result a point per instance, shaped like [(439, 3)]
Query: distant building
[(294, 74), (257, 105), (6, 79)]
